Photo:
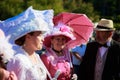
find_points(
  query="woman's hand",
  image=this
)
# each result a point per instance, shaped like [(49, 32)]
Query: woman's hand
[(12, 76)]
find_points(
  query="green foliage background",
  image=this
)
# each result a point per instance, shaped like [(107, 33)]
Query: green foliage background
[(94, 9)]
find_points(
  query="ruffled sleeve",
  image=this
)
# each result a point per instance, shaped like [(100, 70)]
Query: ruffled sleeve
[(22, 67), (19, 66)]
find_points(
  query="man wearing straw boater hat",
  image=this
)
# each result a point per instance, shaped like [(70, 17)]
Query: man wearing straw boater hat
[(102, 57)]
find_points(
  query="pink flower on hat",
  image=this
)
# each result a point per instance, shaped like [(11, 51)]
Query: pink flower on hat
[(64, 29)]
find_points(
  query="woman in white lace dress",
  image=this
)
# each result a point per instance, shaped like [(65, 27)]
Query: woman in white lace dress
[(27, 32)]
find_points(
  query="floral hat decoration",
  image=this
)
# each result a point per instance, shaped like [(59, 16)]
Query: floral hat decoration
[(60, 29)]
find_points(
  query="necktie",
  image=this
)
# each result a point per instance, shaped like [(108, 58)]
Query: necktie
[(103, 45)]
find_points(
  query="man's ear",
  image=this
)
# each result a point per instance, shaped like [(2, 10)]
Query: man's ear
[(111, 33)]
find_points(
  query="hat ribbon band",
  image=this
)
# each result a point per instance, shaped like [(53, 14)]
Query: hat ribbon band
[(102, 27)]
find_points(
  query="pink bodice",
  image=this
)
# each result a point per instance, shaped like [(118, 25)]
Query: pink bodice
[(54, 63)]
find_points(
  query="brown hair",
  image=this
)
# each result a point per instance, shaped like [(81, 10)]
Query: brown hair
[(21, 40)]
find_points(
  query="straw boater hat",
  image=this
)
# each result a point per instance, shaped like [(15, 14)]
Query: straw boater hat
[(60, 29), (105, 25), (28, 21)]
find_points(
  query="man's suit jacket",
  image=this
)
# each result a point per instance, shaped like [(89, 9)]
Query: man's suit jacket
[(111, 70)]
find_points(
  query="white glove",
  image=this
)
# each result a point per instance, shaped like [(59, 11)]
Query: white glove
[(74, 77), (56, 75)]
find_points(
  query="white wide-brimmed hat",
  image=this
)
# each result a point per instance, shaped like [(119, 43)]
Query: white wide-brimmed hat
[(105, 25), (60, 29), (28, 21)]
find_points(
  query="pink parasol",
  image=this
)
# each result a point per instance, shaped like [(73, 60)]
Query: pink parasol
[(81, 25)]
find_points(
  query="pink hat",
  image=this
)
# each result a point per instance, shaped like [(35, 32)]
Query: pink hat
[(2, 35), (60, 29)]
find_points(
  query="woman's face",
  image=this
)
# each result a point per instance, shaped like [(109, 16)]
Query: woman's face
[(36, 40), (58, 42)]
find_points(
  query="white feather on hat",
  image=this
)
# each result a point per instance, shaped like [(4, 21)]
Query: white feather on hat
[(5, 48)]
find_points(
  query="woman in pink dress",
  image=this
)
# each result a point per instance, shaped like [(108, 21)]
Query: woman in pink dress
[(57, 57)]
